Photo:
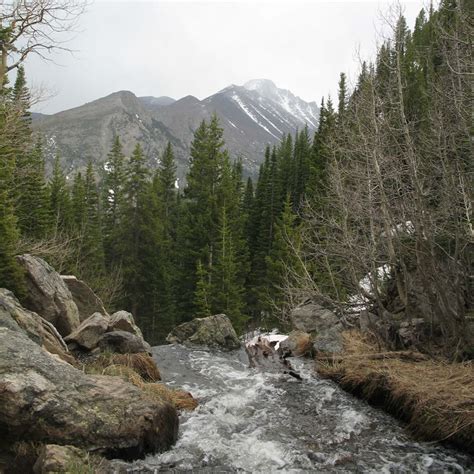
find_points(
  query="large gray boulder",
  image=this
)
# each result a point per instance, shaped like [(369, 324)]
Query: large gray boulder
[(123, 342), (311, 317), (88, 334), (123, 321), (48, 295), (14, 316), (329, 340), (86, 300), (323, 325), (48, 401), (214, 331)]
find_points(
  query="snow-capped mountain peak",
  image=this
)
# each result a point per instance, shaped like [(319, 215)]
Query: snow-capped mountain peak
[(304, 112), (264, 87)]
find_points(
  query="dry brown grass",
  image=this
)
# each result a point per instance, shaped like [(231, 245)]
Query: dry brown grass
[(127, 373), (435, 397), (303, 344), (141, 363), (181, 399)]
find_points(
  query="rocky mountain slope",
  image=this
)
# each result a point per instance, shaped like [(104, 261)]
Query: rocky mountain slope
[(252, 116)]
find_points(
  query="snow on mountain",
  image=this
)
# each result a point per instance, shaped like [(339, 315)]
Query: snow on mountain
[(306, 112)]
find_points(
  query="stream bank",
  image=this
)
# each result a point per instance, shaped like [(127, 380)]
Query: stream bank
[(434, 397)]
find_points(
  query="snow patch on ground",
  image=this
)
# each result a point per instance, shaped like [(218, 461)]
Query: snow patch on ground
[(360, 302), (270, 338)]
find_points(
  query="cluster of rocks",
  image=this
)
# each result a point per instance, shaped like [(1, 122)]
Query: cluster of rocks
[(77, 312), (101, 332), (318, 330), (215, 332), (46, 398)]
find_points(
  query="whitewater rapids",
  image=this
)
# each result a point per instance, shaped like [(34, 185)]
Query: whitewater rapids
[(253, 421)]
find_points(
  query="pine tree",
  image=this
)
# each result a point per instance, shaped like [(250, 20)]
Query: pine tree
[(78, 203), (11, 276), (28, 187), (227, 289), (202, 295), (302, 159), (281, 262), (247, 210), (258, 239), (286, 168), (113, 204), (59, 199), (167, 209), (32, 204), (139, 232), (198, 233), (92, 244), (320, 154), (166, 179), (21, 106), (342, 99)]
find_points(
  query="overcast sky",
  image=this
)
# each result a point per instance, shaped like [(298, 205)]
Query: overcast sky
[(176, 48)]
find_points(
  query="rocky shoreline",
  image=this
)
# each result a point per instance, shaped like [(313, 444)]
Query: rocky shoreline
[(77, 385)]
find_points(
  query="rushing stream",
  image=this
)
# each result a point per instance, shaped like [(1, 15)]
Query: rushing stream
[(250, 421)]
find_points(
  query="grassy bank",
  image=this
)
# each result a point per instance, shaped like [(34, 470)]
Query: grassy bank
[(435, 397), (141, 371)]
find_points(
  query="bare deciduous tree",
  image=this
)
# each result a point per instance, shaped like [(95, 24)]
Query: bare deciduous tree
[(400, 189), (34, 27)]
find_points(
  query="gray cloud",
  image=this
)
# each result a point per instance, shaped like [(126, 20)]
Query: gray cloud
[(179, 48)]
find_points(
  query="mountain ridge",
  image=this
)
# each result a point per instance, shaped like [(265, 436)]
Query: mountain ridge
[(252, 115)]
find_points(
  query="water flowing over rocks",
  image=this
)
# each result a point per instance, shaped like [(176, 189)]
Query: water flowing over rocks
[(48, 295), (265, 352), (214, 332), (256, 421), (86, 300), (47, 400)]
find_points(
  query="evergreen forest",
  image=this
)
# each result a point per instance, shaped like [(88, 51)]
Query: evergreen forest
[(384, 182)]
